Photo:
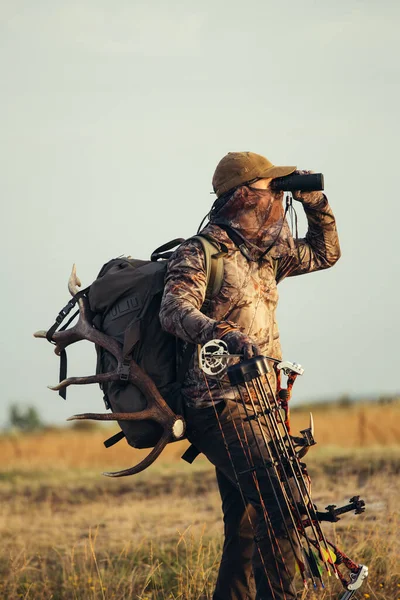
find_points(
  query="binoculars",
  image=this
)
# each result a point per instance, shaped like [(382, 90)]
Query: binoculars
[(304, 183)]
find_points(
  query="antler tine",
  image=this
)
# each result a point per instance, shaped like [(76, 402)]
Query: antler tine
[(175, 432), (157, 410), (146, 462), (40, 334), (136, 416), (100, 378), (83, 330), (176, 426), (74, 282)]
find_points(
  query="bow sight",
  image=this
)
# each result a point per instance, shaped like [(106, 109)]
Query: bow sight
[(267, 412)]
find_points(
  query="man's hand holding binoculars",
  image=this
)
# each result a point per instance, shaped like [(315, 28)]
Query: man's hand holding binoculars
[(311, 198)]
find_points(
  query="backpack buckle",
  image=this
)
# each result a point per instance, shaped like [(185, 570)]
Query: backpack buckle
[(65, 311), (124, 370)]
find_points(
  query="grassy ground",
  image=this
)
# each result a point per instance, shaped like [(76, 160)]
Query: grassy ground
[(68, 533)]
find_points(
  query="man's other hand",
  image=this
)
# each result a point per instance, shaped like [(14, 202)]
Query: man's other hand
[(240, 343)]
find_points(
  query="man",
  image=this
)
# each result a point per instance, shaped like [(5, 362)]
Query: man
[(248, 220)]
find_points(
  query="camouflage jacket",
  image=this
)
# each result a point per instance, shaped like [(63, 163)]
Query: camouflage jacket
[(248, 297)]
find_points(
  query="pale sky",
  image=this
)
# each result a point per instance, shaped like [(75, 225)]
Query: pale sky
[(113, 118)]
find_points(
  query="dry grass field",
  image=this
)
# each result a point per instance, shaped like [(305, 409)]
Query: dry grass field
[(68, 533)]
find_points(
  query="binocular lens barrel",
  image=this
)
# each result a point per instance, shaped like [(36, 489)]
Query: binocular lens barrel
[(304, 183)]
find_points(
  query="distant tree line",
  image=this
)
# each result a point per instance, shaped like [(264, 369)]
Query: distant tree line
[(27, 418), (24, 419)]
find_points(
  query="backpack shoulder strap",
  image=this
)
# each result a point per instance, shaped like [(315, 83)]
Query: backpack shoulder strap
[(214, 252)]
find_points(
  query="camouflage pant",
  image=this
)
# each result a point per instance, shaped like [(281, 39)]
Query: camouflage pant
[(248, 571)]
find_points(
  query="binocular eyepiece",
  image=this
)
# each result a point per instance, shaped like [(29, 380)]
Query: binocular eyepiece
[(304, 183)]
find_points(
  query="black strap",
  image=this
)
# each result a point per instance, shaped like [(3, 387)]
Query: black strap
[(59, 319), (239, 241), (63, 359), (63, 373), (114, 439), (63, 313), (190, 454), (68, 323), (162, 252), (49, 335)]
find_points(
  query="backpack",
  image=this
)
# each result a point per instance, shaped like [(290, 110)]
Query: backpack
[(125, 300)]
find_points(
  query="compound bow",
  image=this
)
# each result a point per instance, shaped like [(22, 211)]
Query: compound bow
[(263, 408)]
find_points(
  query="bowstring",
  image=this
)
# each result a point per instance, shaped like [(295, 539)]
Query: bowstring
[(279, 439), (245, 503), (249, 419), (258, 488), (280, 447), (284, 491), (304, 494), (300, 528), (267, 519)]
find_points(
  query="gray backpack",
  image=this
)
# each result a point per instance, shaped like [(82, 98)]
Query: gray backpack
[(125, 299)]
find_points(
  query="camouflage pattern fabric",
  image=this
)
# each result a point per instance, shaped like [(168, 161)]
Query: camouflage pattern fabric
[(249, 296)]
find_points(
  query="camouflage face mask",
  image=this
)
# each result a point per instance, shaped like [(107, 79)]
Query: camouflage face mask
[(259, 217)]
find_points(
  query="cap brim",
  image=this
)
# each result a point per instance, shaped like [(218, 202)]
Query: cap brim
[(273, 172)]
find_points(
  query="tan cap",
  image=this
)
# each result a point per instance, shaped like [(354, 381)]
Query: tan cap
[(239, 167)]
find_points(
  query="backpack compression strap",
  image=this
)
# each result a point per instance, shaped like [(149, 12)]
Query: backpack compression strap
[(64, 312)]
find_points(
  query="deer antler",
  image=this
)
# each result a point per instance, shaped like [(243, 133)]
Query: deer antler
[(74, 282), (157, 409), (83, 330)]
